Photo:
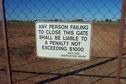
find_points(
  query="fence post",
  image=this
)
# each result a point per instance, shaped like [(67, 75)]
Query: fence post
[(4, 28), (121, 41)]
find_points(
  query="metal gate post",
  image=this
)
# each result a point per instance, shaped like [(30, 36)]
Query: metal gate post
[(121, 41), (4, 28)]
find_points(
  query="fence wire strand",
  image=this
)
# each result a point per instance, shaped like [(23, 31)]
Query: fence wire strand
[(27, 68)]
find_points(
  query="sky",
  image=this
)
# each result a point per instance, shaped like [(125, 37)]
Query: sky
[(63, 9)]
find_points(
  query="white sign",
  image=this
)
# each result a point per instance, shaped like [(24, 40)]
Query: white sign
[(70, 40)]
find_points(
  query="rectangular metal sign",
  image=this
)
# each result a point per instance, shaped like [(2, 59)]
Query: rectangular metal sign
[(68, 40)]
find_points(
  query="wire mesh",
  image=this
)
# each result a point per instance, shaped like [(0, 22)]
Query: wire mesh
[(27, 68)]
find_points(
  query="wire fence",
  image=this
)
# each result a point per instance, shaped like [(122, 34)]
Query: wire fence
[(27, 68)]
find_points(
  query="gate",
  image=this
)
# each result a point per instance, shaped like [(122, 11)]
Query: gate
[(18, 51)]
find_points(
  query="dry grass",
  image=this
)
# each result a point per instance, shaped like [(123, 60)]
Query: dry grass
[(22, 42)]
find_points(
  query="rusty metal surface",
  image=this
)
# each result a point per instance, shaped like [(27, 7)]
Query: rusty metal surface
[(121, 42), (101, 45), (6, 42)]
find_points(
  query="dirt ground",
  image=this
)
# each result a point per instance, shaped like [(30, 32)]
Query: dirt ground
[(28, 69)]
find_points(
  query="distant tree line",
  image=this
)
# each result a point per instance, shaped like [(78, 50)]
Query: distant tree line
[(78, 20)]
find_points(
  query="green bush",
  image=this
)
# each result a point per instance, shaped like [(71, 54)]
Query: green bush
[(23, 52)]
